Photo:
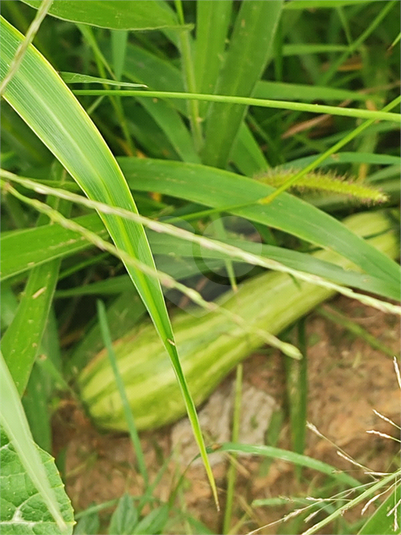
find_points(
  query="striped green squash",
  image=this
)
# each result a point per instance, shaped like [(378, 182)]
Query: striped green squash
[(210, 345)]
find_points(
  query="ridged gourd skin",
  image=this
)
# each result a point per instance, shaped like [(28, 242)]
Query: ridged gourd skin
[(209, 345)]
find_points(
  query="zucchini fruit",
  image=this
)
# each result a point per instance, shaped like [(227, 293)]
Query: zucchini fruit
[(209, 345)]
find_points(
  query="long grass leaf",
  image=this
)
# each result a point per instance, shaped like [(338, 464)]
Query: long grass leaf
[(357, 113), (21, 252), (199, 240), (212, 20), (23, 337), (219, 189), (127, 15), (246, 58), (38, 94), (105, 330)]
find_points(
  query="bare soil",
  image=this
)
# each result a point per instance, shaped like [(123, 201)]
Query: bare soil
[(347, 380)]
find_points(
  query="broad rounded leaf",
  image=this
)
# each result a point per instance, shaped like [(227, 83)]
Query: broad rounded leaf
[(23, 510)]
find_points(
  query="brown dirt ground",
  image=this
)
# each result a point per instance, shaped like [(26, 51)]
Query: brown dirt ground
[(347, 380)]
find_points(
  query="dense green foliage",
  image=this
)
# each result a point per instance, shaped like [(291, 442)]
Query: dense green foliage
[(121, 181)]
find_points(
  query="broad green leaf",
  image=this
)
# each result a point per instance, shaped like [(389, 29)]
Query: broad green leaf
[(226, 191), (23, 511), (38, 94), (127, 15), (32, 494), (383, 520), (246, 58)]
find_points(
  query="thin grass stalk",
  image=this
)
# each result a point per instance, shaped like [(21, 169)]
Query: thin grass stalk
[(250, 101), (232, 470), (120, 385)]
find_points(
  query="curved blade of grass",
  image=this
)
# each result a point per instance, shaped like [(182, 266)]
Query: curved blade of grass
[(127, 15), (174, 231), (187, 65), (229, 192), (245, 61), (331, 229), (24, 249), (387, 480), (390, 287), (14, 422), (383, 520), (39, 95), (44, 7), (129, 260), (289, 456)]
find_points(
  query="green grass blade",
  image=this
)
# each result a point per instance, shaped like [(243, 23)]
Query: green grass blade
[(382, 521), (22, 339), (29, 37), (319, 4), (387, 480), (167, 281), (104, 328), (231, 101), (38, 94), (127, 15), (245, 61), (291, 457), (25, 249), (119, 41), (232, 470), (286, 91), (187, 65), (297, 394), (195, 182), (77, 78), (247, 156), (212, 20)]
